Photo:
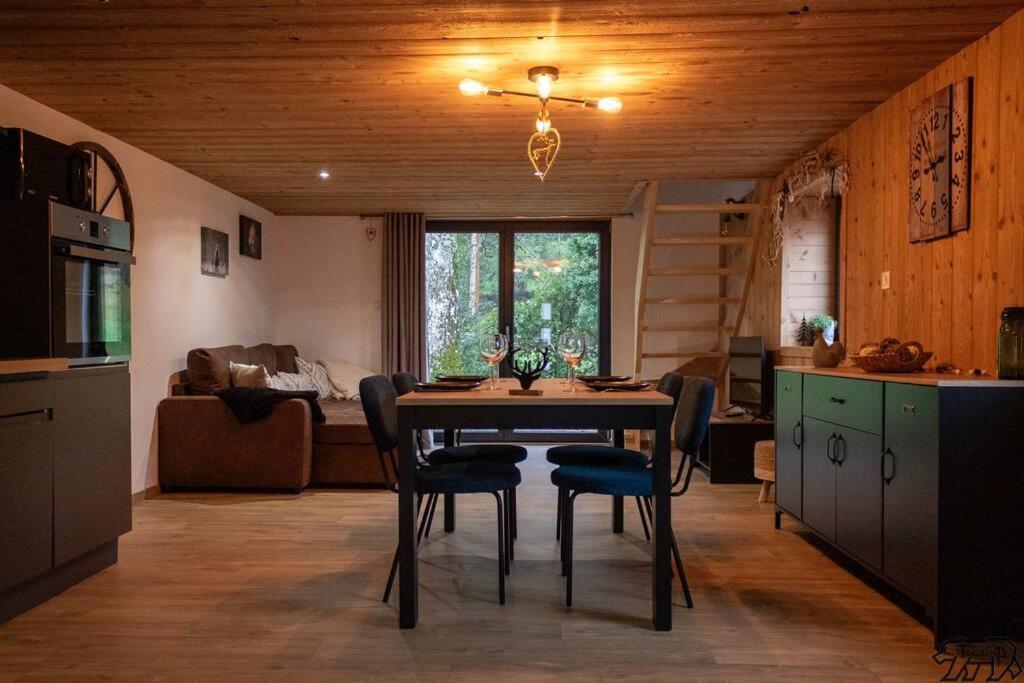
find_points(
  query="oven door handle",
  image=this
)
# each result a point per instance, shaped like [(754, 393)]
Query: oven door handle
[(96, 254)]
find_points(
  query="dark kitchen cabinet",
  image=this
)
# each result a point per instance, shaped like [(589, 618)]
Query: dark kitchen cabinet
[(857, 456), (819, 477), (92, 462), (788, 439), (910, 472), (913, 477), (26, 496)]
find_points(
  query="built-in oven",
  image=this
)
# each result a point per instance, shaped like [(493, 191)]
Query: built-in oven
[(90, 286)]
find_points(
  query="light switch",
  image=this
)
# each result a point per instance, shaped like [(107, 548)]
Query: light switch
[(885, 279)]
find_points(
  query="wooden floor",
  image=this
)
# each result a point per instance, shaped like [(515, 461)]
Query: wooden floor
[(279, 587)]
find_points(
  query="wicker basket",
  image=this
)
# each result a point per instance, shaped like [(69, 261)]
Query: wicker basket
[(909, 357)]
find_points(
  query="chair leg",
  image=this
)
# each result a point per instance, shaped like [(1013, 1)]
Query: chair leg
[(559, 515), (766, 487), (568, 534), (430, 513), (643, 519), (394, 562), (682, 572), (515, 517), (506, 508), (501, 549)]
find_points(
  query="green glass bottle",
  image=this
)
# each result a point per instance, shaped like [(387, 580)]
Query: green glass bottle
[(1011, 344)]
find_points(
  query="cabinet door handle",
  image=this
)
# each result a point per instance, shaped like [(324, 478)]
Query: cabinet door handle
[(33, 417), (836, 399), (888, 455), (796, 429), (835, 451), (908, 409), (828, 448)]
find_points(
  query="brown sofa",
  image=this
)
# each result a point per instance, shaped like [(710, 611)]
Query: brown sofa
[(202, 445)]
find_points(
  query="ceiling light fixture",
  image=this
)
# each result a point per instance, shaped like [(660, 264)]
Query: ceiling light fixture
[(544, 144), (324, 175)]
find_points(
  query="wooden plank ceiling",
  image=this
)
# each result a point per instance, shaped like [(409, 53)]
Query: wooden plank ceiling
[(257, 96)]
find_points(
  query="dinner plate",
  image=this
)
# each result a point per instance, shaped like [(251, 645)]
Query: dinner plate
[(619, 386), (588, 379), (446, 386), (460, 378)]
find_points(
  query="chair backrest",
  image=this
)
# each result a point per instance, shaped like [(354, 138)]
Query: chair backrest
[(694, 414), (378, 395), (405, 382), (671, 384)]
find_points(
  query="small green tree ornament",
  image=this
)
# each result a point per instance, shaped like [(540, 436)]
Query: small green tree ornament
[(804, 334)]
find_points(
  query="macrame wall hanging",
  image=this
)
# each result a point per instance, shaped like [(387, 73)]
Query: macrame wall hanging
[(825, 171)]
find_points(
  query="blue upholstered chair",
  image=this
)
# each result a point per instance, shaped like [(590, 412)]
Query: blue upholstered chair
[(507, 454), (670, 384), (378, 397), (691, 425)]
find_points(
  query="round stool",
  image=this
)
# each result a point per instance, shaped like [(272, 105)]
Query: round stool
[(764, 467)]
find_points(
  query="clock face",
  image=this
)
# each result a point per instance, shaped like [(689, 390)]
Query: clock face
[(930, 161)]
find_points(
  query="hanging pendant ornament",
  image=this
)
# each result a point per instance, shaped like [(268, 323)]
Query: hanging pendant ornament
[(543, 145)]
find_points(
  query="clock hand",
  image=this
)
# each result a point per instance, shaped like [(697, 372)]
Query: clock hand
[(927, 147), (931, 166)]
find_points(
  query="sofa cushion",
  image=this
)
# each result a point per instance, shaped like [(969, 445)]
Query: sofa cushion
[(247, 375), (208, 368), (286, 354), (345, 377), (345, 424), (265, 355)]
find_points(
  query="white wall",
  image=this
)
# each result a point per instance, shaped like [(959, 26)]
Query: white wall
[(327, 287), (174, 308)]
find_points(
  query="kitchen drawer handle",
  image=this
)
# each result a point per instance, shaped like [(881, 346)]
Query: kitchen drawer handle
[(835, 451), (828, 448), (888, 455), (33, 417), (840, 401), (796, 428), (908, 409)]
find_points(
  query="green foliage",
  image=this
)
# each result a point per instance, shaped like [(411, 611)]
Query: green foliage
[(821, 321), (560, 269)]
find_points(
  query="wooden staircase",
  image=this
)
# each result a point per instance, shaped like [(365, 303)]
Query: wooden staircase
[(734, 278)]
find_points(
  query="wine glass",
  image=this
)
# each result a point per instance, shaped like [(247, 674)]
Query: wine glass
[(493, 347), (572, 346)]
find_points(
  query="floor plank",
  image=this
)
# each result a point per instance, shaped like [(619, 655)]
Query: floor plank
[(280, 587)]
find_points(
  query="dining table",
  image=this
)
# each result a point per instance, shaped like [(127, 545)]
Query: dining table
[(553, 407)]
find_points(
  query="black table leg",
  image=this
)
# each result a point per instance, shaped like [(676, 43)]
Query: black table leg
[(408, 579), (618, 440), (449, 499), (661, 567)]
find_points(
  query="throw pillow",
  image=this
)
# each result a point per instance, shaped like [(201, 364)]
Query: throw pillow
[(345, 377), (247, 375), (317, 376), (287, 381)]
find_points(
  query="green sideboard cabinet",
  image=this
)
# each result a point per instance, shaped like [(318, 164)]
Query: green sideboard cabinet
[(919, 479)]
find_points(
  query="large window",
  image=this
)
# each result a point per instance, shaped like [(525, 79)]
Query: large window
[(532, 280)]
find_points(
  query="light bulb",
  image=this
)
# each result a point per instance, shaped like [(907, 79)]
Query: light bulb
[(470, 87), (544, 84), (324, 175), (612, 105), (543, 125)]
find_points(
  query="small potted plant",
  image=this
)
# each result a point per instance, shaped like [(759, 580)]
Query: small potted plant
[(825, 325)]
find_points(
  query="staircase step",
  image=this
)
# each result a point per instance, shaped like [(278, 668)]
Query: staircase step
[(690, 240), (686, 354), (686, 328), (694, 301), (694, 270), (707, 208)]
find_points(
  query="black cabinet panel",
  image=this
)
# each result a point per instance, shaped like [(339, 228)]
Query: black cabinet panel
[(788, 438), (819, 485), (858, 457), (92, 462), (26, 496), (911, 493)]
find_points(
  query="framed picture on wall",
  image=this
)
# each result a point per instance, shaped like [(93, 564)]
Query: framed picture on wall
[(214, 252), (250, 237)]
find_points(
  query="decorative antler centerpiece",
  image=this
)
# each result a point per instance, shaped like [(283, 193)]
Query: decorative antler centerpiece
[(531, 370)]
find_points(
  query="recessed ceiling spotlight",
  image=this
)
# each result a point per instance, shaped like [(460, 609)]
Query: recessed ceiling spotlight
[(324, 175)]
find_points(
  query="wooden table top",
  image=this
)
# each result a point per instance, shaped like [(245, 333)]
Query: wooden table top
[(555, 393)]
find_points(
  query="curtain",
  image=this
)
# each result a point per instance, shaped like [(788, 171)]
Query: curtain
[(403, 305)]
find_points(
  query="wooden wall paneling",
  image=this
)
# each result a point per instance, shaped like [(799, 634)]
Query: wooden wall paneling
[(984, 229), (918, 273), (962, 323), (1009, 220), (897, 207), (941, 310)]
